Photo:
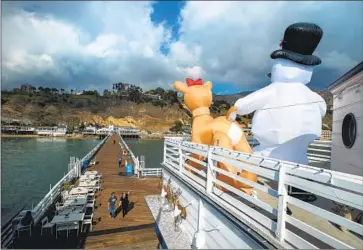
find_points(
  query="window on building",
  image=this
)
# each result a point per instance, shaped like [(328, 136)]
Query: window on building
[(349, 130)]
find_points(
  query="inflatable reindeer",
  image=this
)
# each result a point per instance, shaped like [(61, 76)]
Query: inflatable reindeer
[(220, 131)]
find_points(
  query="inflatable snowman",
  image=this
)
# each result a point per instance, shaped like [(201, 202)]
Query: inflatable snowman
[(288, 115)]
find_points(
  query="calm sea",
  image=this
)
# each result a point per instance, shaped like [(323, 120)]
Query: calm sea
[(29, 166)]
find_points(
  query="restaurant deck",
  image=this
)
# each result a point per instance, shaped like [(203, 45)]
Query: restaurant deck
[(135, 230)]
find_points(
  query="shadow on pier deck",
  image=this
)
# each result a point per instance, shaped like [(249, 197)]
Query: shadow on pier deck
[(135, 230)]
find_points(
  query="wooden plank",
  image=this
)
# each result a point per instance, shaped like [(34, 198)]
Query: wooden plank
[(264, 189), (353, 226), (297, 241), (254, 201), (136, 229), (331, 193), (317, 233)]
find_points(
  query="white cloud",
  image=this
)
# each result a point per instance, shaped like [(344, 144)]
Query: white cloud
[(219, 41), (237, 38), (339, 61)]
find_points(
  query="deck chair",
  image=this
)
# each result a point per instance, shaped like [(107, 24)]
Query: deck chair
[(21, 228), (87, 221), (61, 227), (91, 204), (45, 224), (73, 226)]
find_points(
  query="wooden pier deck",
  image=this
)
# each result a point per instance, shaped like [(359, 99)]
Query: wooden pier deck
[(136, 229)]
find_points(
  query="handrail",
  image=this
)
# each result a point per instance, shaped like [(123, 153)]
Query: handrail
[(341, 188), (151, 172), (7, 231), (134, 159)]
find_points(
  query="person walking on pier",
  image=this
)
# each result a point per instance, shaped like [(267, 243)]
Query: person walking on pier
[(124, 203), (112, 205), (120, 162)]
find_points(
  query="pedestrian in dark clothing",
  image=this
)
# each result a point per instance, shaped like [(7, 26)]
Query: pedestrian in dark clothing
[(112, 205), (124, 203), (120, 162), (114, 142), (27, 219)]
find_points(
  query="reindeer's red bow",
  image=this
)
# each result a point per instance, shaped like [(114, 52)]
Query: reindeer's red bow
[(281, 42), (191, 82)]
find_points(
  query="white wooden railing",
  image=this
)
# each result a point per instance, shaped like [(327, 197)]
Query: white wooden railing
[(90, 154), (151, 172), (341, 188), (134, 159), (138, 166)]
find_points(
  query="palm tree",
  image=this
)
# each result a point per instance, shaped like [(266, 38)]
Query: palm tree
[(62, 91), (72, 91), (40, 89)]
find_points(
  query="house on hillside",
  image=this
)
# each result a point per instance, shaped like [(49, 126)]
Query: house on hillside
[(347, 136), (26, 88), (153, 97)]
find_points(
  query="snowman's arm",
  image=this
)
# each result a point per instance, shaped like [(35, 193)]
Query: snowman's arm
[(322, 104), (254, 101)]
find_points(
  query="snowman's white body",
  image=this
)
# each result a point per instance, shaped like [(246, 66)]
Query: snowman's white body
[(288, 114)]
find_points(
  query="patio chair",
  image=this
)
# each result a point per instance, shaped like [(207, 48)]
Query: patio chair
[(21, 228), (91, 204), (65, 195), (87, 221), (45, 224), (59, 207), (61, 227), (73, 226)]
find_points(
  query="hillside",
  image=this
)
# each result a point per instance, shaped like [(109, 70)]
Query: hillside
[(90, 108), (52, 109)]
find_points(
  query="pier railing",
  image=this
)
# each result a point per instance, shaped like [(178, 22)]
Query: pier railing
[(7, 232), (90, 154), (151, 172), (124, 145), (265, 212), (138, 167)]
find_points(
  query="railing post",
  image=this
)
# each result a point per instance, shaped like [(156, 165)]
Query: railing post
[(164, 156), (181, 159), (200, 235), (282, 205), (209, 182)]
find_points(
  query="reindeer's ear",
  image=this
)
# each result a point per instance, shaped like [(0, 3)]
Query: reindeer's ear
[(181, 87), (208, 85)]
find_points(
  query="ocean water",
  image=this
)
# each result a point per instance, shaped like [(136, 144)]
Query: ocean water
[(30, 165), (152, 150)]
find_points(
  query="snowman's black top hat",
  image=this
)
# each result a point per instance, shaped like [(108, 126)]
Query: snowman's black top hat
[(299, 42)]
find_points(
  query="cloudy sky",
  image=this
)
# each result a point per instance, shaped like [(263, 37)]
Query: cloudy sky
[(91, 45)]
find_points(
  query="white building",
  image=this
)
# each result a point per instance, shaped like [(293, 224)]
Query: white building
[(347, 137)]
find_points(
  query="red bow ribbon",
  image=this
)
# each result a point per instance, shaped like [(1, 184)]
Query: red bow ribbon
[(281, 42), (191, 82)]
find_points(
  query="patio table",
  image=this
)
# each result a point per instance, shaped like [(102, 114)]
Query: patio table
[(72, 217), (87, 177), (75, 202), (70, 210), (88, 183), (90, 173), (78, 190)]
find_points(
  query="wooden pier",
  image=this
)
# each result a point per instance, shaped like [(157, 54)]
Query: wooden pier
[(136, 229)]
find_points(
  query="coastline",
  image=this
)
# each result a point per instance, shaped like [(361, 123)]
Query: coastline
[(156, 136), (70, 136)]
